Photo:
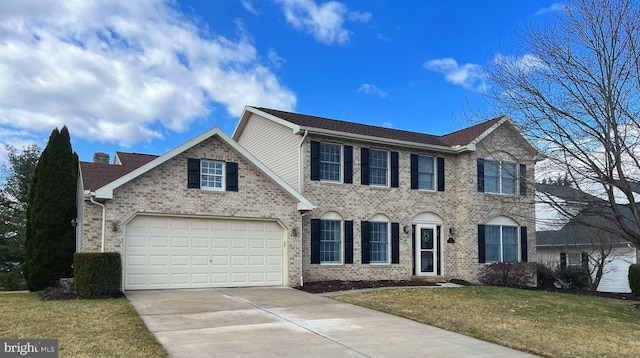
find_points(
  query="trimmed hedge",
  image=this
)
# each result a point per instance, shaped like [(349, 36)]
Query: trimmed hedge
[(634, 279), (97, 273)]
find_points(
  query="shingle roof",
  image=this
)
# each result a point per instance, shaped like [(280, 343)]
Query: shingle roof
[(462, 137), (96, 175), (469, 134)]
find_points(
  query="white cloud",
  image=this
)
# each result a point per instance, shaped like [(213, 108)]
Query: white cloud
[(382, 37), (248, 5), (387, 125), (469, 75), (325, 21), (552, 8), (524, 63), (275, 59), (122, 71), (367, 88), (359, 16)]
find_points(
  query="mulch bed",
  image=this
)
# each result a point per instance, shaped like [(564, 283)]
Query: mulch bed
[(68, 293), (333, 286)]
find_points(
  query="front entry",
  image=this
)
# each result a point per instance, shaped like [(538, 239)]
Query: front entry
[(428, 250)]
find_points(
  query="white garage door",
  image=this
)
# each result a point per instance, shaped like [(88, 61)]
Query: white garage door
[(178, 252)]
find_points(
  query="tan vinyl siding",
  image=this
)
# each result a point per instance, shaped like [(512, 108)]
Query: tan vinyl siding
[(274, 145)]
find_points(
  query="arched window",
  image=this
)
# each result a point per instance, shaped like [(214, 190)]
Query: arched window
[(498, 240), (379, 239), (331, 238)]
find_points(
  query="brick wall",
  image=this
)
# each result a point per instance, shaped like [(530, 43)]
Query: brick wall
[(460, 206), (163, 190)]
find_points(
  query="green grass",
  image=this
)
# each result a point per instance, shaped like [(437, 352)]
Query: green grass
[(84, 328), (543, 323)]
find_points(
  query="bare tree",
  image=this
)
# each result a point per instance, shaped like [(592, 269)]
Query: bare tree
[(573, 85)]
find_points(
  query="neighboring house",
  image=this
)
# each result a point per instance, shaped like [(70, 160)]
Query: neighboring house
[(570, 238), (293, 198)]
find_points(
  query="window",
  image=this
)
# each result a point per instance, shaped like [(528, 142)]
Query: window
[(501, 243), (378, 167), (330, 162), (379, 242), (211, 175), (500, 177), (426, 173), (330, 241)]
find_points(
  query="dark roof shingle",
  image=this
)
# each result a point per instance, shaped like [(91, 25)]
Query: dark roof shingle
[(97, 175)]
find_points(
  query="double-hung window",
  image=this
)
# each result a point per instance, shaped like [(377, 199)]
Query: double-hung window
[(500, 177), (379, 242), (330, 155), (331, 241), (426, 172), (501, 243), (378, 167), (211, 175)]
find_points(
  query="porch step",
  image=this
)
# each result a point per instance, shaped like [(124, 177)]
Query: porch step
[(430, 279)]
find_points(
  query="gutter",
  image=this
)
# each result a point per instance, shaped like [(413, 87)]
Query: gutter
[(104, 219), (300, 172)]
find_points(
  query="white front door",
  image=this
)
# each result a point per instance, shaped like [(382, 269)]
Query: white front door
[(427, 250)]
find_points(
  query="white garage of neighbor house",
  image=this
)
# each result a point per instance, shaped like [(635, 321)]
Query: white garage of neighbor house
[(205, 214)]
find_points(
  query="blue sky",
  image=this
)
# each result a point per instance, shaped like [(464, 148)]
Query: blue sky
[(147, 75)]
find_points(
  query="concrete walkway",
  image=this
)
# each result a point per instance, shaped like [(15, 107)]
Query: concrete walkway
[(283, 322)]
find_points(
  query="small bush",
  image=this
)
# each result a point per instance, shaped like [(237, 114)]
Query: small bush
[(97, 273), (509, 274), (634, 279), (12, 280), (572, 277), (546, 276)]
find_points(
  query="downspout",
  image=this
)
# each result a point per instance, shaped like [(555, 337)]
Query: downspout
[(300, 185), (104, 219)]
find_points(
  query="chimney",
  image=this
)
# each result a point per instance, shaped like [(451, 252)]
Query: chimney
[(100, 157)]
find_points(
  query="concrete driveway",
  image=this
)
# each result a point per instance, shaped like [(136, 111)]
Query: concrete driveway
[(283, 322)]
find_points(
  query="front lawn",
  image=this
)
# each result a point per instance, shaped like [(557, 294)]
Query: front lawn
[(543, 323), (84, 328)]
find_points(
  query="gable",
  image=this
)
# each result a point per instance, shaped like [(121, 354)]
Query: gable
[(106, 191)]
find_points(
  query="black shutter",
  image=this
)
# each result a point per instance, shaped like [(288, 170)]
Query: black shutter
[(348, 242), (523, 179), (364, 242), (395, 170), (364, 166), (395, 243), (481, 175), (584, 258), (563, 260), (524, 249), (414, 171), (481, 249), (348, 164), (315, 241), (315, 160), (440, 174), (193, 173), (232, 176)]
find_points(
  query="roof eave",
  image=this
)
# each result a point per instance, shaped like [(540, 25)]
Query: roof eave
[(246, 114), (402, 143)]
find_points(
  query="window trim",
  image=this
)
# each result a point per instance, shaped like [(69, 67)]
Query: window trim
[(388, 168), (502, 222), (223, 175), (516, 177), (333, 216), (434, 174), (381, 219), (340, 171)]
